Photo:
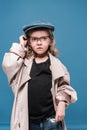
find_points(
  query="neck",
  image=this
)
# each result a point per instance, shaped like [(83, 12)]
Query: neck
[(41, 58)]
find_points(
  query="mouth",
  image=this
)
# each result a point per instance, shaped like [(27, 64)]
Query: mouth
[(39, 48)]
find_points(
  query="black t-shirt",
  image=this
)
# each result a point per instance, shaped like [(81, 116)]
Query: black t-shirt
[(39, 91)]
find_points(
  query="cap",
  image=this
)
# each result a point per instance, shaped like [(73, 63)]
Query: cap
[(39, 24)]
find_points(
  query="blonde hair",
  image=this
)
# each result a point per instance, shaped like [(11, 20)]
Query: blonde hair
[(52, 48)]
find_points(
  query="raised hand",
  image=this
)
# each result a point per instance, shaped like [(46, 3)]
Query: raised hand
[(23, 40)]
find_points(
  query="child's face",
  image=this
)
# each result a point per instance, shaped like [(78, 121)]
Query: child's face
[(39, 42)]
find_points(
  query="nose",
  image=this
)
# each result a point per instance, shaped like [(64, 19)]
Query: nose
[(38, 41)]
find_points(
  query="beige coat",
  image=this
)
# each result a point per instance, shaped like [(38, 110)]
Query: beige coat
[(17, 69)]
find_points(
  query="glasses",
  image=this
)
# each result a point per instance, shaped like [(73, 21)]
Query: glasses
[(36, 39)]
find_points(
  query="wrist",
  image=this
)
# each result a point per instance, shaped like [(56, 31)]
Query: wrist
[(62, 103)]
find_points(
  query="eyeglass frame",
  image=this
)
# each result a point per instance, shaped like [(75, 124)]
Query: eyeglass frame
[(36, 39)]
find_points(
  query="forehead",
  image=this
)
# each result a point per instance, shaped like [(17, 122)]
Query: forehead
[(38, 33)]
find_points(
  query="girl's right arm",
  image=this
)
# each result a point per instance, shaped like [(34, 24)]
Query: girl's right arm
[(13, 60)]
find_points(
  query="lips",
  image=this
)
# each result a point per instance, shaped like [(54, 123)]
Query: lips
[(39, 48)]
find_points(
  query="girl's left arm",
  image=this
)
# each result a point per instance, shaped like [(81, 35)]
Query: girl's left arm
[(65, 95), (65, 92)]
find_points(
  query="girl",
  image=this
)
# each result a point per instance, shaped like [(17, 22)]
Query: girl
[(40, 82)]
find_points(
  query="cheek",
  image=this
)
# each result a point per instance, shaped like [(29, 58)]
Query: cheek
[(47, 45), (32, 45)]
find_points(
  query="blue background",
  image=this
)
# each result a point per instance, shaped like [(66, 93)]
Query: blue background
[(70, 20)]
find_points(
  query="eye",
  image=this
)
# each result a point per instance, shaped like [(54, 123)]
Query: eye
[(34, 38), (44, 38)]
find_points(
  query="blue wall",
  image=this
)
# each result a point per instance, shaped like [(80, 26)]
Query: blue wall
[(70, 19)]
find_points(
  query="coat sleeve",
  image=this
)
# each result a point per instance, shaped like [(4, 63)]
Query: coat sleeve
[(64, 91), (12, 62)]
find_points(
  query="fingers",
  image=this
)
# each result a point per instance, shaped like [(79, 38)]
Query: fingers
[(23, 40), (59, 118)]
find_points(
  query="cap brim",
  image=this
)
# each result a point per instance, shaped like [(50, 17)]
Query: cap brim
[(30, 27)]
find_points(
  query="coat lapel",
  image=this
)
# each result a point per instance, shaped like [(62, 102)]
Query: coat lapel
[(56, 67), (26, 71)]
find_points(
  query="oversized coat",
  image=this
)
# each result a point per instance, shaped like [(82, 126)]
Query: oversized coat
[(17, 69)]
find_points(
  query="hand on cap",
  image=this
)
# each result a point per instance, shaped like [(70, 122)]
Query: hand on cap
[(23, 40)]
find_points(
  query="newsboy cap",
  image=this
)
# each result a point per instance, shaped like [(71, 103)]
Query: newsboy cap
[(38, 24)]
